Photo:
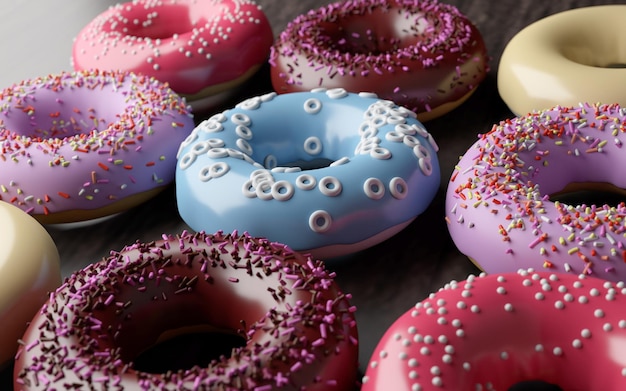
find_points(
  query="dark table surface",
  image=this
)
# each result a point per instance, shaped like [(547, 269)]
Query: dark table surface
[(385, 280)]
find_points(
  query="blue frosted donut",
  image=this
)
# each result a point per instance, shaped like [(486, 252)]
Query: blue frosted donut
[(327, 171)]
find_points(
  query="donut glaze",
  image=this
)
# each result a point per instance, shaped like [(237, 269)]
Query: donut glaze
[(498, 203), (299, 328), (201, 48), (423, 55), (83, 145), (29, 269), (490, 333), (242, 169), (576, 56)]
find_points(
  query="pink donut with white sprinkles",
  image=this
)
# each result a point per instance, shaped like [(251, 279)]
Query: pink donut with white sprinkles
[(202, 48), (83, 145), (493, 332), (421, 54), (297, 327), (500, 203)]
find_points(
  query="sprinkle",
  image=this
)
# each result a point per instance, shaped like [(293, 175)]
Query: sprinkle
[(178, 264)]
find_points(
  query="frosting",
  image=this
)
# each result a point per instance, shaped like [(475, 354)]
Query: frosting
[(190, 44), (489, 333), (299, 329), (574, 56), (86, 139), (83, 141), (498, 203), (247, 169), (422, 55), (29, 269)]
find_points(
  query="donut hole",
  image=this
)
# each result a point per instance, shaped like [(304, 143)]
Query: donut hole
[(377, 31), (47, 114), (160, 22), (188, 349), (534, 385), (154, 328), (591, 193), (607, 54), (593, 59), (312, 164)]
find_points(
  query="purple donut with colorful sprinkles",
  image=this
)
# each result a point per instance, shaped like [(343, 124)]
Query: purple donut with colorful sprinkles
[(503, 209), (88, 144)]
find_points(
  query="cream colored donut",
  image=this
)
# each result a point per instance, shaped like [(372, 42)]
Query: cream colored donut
[(29, 269), (566, 58)]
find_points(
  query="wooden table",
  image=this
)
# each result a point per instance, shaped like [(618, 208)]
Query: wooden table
[(36, 39)]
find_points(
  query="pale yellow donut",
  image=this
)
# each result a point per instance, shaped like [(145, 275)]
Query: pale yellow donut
[(570, 57), (29, 269)]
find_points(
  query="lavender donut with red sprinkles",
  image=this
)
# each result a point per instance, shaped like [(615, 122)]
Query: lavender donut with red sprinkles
[(88, 144), (421, 54), (299, 329)]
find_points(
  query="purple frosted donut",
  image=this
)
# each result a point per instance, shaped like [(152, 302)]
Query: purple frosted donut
[(299, 329), (501, 209), (83, 145)]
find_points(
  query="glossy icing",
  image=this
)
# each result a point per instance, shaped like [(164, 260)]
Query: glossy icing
[(498, 203), (299, 328), (29, 269), (241, 170), (423, 55), (566, 58), (199, 47), (489, 333), (82, 145)]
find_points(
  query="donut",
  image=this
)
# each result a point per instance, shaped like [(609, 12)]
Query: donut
[(78, 146), (29, 269), (423, 55), (500, 204), (299, 328), (492, 332), (204, 49), (326, 172), (574, 58)]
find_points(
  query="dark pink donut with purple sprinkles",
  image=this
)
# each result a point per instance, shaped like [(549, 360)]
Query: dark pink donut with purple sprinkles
[(299, 329), (420, 54)]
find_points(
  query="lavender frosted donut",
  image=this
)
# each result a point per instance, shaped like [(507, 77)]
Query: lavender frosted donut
[(246, 169), (498, 204), (298, 328), (83, 145)]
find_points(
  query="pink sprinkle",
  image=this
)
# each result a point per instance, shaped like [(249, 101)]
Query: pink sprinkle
[(295, 367)]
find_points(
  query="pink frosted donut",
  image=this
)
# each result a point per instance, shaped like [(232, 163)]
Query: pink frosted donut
[(421, 54), (83, 145), (202, 48), (298, 329), (490, 333), (498, 203)]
